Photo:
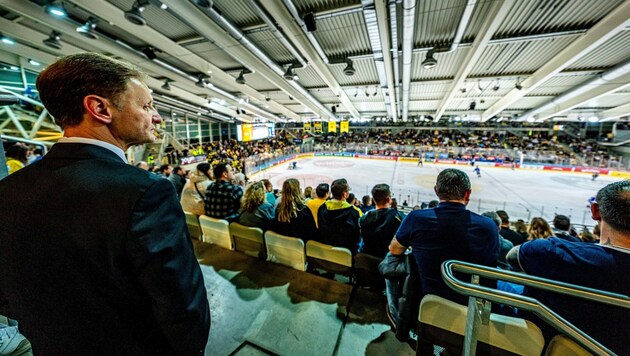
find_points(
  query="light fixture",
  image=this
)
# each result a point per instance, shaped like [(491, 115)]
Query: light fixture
[(203, 3), (473, 105), (290, 73), (375, 91), (56, 8), (463, 90), (167, 84), (134, 15), (356, 92), (241, 77), (333, 109), (6, 40), (202, 81), (53, 40), (367, 93), (498, 86), (530, 119), (309, 22), (518, 84), (163, 6), (593, 119), (34, 62), (429, 62), (88, 29), (349, 70), (149, 52)]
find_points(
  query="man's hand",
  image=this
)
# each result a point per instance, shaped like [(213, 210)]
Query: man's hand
[(395, 248)]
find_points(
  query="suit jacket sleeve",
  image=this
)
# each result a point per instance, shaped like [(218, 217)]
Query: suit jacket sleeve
[(162, 256)]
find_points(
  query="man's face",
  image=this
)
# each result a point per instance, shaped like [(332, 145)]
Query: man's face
[(229, 174), (135, 122)]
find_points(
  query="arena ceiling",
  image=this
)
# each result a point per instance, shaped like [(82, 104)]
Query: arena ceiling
[(290, 59)]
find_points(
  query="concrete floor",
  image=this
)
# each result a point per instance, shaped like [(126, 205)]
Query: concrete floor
[(261, 308), (523, 193)]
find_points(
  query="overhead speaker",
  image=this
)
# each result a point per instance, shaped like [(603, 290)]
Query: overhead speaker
[(349, 70), (309, 22)]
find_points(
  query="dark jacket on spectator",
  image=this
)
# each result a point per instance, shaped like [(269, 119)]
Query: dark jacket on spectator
[(339, 224)]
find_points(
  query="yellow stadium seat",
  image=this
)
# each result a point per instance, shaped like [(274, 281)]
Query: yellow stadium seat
[(561, 345), (330, 258), (216, 231), (248, 240), (443, 322), (285, 250), (192, 221)]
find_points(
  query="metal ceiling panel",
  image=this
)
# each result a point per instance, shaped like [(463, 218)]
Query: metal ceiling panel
[(518, 57), (423, 106), (324, 95), (256, 81), (365, 106), (160, 20), (238, 12), (275, 49), (342, 36), (305, 6), (561, 83), (448, 64), (535, 16), (614, 51), (482, 8), (309, 77), (213, 54), (430, 90), (436, 22)]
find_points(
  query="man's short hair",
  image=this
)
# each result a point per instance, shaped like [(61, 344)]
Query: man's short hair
[(433, 203), (493, 216), (322, 190), (452, 184), (219, 169), (380, 193), (163, 168), (178, 169), (614, 205), (338, 187), (366, 200), (64, 84), (562, 222), (505, 218)]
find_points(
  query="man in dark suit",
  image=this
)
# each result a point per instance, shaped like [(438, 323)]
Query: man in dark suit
[(96, 258)]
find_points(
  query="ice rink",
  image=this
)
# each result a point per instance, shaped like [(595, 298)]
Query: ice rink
[(523, 193)]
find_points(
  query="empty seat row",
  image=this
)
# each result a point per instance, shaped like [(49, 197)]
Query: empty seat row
[(274, 247)]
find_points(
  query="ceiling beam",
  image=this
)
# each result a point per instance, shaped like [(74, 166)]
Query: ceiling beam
[(492, 21), (616, 112), (297, 37), (615, 22)]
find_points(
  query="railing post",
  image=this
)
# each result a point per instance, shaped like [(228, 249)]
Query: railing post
[(472, 323)]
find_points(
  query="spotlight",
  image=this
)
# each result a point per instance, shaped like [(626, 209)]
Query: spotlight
[(202, 81), (88, 28), (366, 92), (375, 91), (496, 88), (267, 98), (241, 78), (135, 14), (518, 84), (333, 109), (6, 40), (53, 40), (203, 3), (34, 62), (429, 62), (167, 84), (356, 92), (473, 105), (56, 8), (463, 90), (349, 70), (149, 52)]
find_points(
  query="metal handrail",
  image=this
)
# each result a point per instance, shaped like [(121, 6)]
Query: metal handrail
[(530, 304)]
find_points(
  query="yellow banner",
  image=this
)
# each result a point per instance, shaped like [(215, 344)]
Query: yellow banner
[(625, 175), (317, 125), (332, 126), (307, 126), (344, 126), (247, 132)]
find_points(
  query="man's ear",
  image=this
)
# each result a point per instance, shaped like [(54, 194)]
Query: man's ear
[(467, 195), (595, 212), (98, 108)]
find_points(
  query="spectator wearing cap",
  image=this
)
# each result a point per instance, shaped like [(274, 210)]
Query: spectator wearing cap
[(338, 220), (561, 228)]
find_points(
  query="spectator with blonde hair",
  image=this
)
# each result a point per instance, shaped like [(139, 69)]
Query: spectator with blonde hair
[(293, 217), (539, 229), (255, 210)]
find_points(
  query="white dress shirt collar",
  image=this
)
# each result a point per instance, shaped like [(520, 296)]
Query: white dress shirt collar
[(117, 150)]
